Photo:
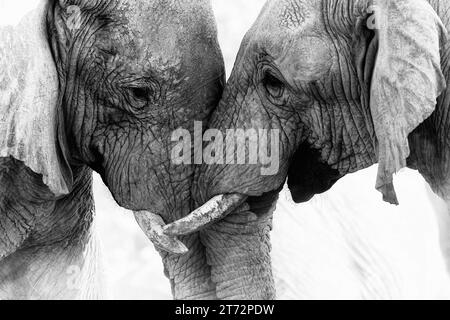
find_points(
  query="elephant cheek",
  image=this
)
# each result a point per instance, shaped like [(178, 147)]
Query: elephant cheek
[(140, 182)]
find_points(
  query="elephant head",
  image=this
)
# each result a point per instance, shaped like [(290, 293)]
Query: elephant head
[(102, 85), (343, 84)]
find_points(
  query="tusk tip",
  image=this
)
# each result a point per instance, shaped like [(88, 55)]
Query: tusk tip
[(172, 246), (153, 225), (179, 250)]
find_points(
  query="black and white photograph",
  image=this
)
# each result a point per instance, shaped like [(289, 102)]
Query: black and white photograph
[(224, 150)]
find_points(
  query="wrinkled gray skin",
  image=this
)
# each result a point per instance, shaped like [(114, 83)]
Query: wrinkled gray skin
[(317, 72), (129, 74)]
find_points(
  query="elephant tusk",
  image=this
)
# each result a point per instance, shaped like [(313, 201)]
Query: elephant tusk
[(214, 210), (152, 225)]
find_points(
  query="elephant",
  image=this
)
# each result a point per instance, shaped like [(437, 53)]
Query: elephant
[(98, 86), (344, 85)]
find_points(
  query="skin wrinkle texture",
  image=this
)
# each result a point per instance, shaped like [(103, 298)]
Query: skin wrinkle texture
[(128, 76), (322, 60), (243, 268)]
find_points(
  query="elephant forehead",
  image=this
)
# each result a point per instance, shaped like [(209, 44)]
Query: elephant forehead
[(289, 14), (161, 32), (292, 14), (183, 18), (283, 22), (309, 58)]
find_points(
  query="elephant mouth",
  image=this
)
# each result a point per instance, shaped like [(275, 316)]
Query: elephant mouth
[(165, 237), (307, 177), (234, 207)]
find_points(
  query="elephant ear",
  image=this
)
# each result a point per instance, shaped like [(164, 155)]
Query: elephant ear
[(407, 80), (29, 95)]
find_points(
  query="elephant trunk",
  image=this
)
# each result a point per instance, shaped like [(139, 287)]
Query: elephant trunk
[(235, 217), (239, 256), (235, 236), (230, 257), (189, 274)]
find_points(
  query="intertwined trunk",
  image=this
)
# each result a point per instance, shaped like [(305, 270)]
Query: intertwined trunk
[(190, 275), (239, 256)]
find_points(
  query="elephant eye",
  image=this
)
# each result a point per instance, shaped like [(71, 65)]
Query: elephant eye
[(274, 87), (141, 93)]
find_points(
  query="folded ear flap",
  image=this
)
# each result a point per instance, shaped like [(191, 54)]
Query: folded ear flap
[(29, 126), (406, 82)]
